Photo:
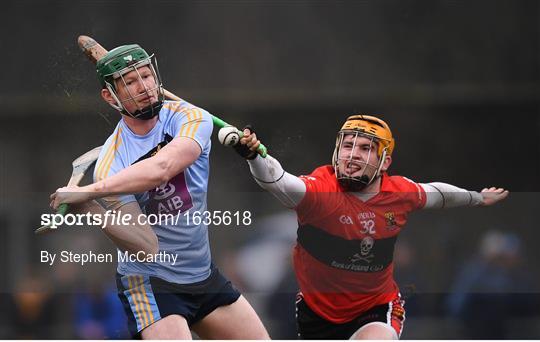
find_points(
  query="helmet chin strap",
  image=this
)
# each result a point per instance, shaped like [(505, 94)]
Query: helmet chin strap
[(353, 184), (148, 112)]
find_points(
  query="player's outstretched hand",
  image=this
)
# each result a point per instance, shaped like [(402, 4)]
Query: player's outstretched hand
[(249, 143), (493, 195), (69, 195)]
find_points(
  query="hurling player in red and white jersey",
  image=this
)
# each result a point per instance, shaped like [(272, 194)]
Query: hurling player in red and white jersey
[(349, 216)]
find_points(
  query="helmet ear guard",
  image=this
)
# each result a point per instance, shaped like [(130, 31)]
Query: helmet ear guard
[(372, 128)]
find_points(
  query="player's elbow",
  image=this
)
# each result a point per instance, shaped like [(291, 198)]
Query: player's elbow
[(165, 170), (175, 158)]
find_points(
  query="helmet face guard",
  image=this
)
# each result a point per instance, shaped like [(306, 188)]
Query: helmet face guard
[(125, 59), (380, 142)]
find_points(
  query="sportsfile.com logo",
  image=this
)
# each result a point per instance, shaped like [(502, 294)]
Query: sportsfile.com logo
[(112, 217)]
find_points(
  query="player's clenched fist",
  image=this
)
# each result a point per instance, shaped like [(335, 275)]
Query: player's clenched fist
[(250, 139), (493, 195), (249, 144)]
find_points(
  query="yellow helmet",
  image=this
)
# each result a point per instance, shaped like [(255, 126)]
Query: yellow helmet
[(374, 127), (377, 131)]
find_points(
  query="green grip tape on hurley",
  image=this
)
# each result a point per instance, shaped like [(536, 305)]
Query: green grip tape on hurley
[(62, 209), (218, 122)]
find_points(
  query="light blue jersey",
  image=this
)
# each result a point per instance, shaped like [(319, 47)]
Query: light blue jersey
[(186, 192)]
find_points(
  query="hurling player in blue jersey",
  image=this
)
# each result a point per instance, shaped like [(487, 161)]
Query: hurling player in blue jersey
[(157, 162)]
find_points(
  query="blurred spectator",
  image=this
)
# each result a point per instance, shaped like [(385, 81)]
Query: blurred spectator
[(31, 309), (492, 287), (99, 314)]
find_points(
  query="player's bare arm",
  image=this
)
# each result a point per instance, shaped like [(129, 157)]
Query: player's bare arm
[(132, 237), (172, 159)]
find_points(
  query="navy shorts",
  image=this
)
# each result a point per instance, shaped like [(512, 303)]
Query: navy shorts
[(148, 299)]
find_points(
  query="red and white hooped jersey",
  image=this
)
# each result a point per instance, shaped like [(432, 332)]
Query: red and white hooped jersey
[(344, 253)]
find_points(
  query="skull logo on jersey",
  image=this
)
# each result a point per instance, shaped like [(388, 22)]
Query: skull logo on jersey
[(366, 245), (365, 248)]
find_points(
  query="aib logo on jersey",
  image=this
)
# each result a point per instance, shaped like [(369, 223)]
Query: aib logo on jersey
[(164, 191), (170, 198)]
